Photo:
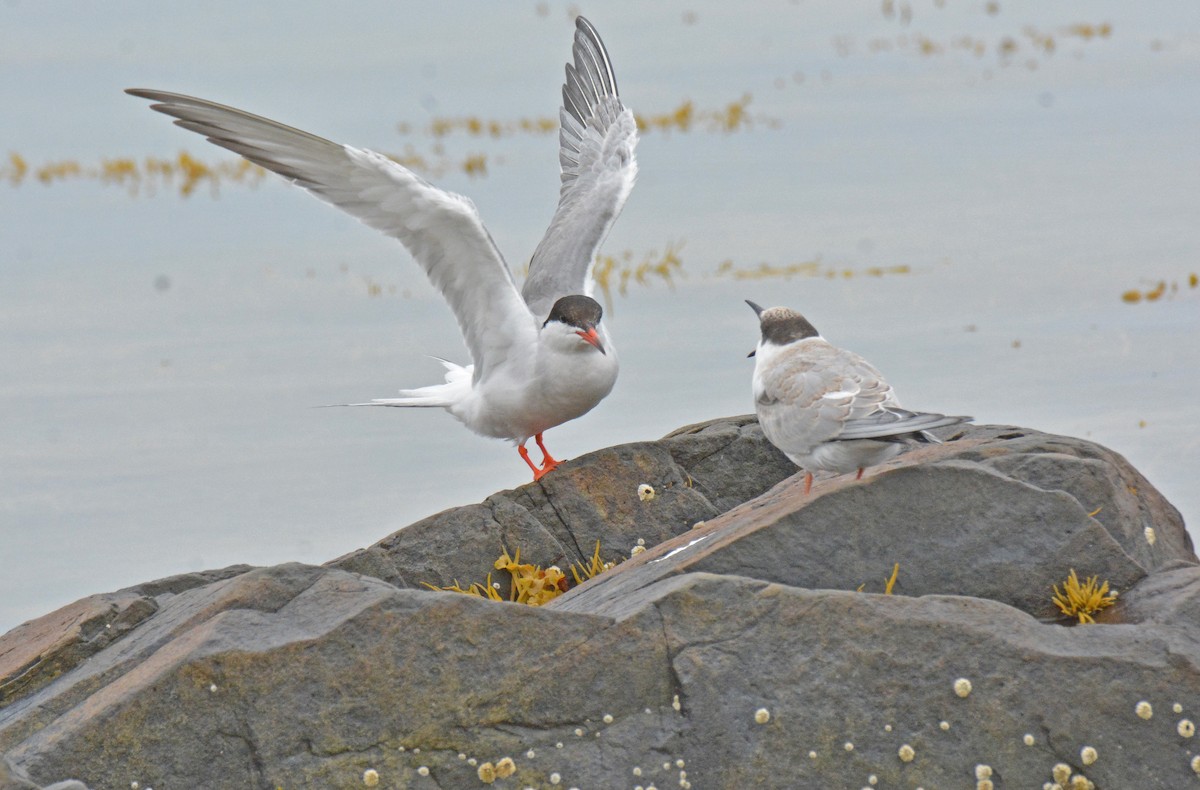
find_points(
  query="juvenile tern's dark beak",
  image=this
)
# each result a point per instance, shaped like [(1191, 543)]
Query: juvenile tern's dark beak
[(757, 310)]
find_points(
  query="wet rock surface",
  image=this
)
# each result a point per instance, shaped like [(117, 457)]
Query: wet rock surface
[(736, 651)]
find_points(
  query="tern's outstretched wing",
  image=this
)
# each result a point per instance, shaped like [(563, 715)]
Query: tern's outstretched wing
[(440, 229), (596, 145)]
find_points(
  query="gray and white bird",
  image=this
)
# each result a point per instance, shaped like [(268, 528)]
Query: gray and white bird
[(540, 355), (828, 409)]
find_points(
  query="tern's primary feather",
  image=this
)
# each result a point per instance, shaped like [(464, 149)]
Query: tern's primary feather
[(596, 153), (441, 229)]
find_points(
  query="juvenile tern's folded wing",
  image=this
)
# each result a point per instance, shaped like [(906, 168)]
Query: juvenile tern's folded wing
[(596, 152), (440, 229), (893, 422)]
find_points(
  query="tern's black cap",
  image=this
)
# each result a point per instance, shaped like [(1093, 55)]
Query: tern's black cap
[(581, 312), (781, 326)]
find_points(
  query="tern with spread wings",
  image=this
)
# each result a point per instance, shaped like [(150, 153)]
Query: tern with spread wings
[(541, 355), (826, 408)]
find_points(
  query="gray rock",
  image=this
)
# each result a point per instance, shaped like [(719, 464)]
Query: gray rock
[(953, 521), (301, 676), (697, 472)]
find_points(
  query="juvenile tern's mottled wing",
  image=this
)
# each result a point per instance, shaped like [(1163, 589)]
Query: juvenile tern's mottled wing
[(596, 145), (892, 421), (440, 229), (811, 393)]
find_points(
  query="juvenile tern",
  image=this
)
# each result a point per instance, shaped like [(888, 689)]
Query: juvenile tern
[(540, 355), (826, 408)]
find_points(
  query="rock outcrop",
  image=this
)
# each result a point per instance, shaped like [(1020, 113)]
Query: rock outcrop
[(736, 651)]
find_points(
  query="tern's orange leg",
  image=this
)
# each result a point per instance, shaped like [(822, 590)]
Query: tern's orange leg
[(548, 461), (808, 478), (537, 473), (860, 471)]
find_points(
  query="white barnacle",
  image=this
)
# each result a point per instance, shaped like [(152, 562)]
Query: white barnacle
[(486, 773), (1061, 773), (945, 725), (1177, 708), (1143, 709), (212, 687), (608, 719), (462, 756), (812, 755), (675, 703), (985, 784), (1088, 755), (1028, 739), (962, 687), (579, 732), (1196, 764), (887, 728), (645, 492), (1185, 728), (848, 746), (906, 753), (505, 767), (872, 780), (1150, 536), (558, 745), (636, 550), (370, 777), (423, 770), (762, 716), (531, 754), (555, 778), (637, 771), (983, 771), (680, 763)]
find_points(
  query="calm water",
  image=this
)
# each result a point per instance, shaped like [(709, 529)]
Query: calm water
[(159, 355)]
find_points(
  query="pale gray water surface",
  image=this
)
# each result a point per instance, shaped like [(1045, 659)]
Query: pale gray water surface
[(159, 355)]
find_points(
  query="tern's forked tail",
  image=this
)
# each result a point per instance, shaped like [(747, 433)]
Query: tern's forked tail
[(457, 386)]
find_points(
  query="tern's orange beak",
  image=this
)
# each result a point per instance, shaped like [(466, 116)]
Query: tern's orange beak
[(590, 336)]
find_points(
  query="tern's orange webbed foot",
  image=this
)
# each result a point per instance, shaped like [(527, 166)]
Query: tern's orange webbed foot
[(808, 478), (548, 463), (549, 466)]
